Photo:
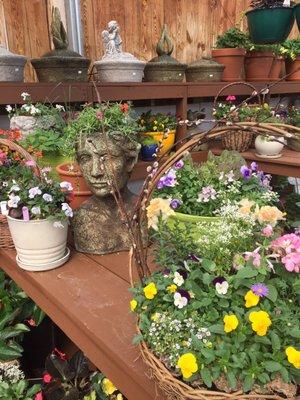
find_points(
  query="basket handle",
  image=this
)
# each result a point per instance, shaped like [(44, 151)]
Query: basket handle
[(28, 157), (236, 84)]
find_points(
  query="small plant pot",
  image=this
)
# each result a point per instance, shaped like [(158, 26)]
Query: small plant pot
[(70, 172), (269, 26), (297, 15), (167, 142), (39, 245), (261, 66), (293, 67), (266, 147), (233, 60), (148, 152)]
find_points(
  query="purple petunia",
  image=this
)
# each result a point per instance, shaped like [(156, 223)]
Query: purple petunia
[(168, 180), (246, 172), (260, 289), (175, 203)]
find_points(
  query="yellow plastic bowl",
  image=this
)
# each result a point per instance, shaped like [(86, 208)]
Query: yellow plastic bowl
[(167, 142)]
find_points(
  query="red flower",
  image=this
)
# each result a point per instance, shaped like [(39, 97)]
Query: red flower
[(47, 378), (38, 396), (31, 322), (124, 107), (61, 355)]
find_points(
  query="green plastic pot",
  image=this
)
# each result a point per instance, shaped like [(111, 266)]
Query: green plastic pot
[(297, 15), (269, 26)]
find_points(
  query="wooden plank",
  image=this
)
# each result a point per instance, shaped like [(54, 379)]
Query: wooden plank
[(88, 28), (145, 31), (3, 32), (131, 34), (157, 24)]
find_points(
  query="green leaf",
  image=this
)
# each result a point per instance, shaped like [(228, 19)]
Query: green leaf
[(206, 279), (248, 383), (206, 376), (217, 328), (246, 272), (201, 303), (275, 341), (295, 332), (33, 390), (273, 294), (231, 380), (9, 353), (272, 366)]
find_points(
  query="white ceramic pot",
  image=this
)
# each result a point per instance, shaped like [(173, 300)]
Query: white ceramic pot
[(267, 147), (40, 246)]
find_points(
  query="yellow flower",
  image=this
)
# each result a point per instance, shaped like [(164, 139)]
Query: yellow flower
[(133, 304), (155, 128), (230, 323), (269, 214), (260, 322), (246, 205), (172, 288), (120, 396), (293, 356), (155, 316), (251, 299), (155, 122), (150, 291), (156, 208), (108, 387), (188, 365)]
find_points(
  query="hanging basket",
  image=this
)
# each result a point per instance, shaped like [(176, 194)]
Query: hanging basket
[(174, 388), (5, 236)]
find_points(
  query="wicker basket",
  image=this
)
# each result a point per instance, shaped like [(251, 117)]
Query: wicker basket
[(174, 388), (5, 237)]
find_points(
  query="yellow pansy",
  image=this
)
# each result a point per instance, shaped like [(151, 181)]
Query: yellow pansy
[(155, 316), (251, 299), (293, 356), (108, 387), (150, 291), (188, 365), (172, 288), (230, 323), (260, 322), (133, 304)]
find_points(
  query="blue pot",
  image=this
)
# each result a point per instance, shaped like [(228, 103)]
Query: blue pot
[(147, 152)]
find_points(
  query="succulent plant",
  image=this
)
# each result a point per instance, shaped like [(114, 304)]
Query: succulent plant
[(266, 3)]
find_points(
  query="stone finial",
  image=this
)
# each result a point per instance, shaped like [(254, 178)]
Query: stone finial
[(58, 31), (112, 40), (165, 45)]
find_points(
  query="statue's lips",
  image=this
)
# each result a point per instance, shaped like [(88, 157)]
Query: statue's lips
[(99, 185)]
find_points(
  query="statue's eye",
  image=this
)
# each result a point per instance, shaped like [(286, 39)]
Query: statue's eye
[(84, 158)]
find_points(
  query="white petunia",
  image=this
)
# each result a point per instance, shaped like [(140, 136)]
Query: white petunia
[(66, 185), (36, 210), (13, 201), (180, 301), (178, 279), (8, 108), (67, 209), (47, 197), (222, 288), (25, 95)]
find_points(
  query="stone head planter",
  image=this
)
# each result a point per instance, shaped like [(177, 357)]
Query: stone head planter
[(61, 64), (11, 66), (116, 65), (106, 163), (164, 67)]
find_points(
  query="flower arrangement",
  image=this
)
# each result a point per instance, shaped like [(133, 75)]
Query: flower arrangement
[(159, 122)]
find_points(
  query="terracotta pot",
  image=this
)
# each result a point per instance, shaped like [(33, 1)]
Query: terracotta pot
[(70, 172), (233, 59), (262, 66), (294, 68), (277, 68)]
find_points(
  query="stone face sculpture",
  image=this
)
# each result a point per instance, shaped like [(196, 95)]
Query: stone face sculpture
[(97, 224), (117, 65)]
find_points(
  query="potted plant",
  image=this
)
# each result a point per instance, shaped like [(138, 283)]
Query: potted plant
[(268, 146), (230, 50), (263, 62), (292, 59), (37, 211), (29, 117), (270, 21), (161, 127), (149, 149)]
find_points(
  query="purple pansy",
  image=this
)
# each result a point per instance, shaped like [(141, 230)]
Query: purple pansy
[(246, 172), (254, 166), (218, 279), (166, 272), (175, 203), (168, 180), (260, 289), (184, 293), (183, 273), (179, 164)]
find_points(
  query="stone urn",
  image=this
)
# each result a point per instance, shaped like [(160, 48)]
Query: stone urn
[(60, 64), (164, 67), (27, 124), (205, 70), (11, 66), (116, 65)]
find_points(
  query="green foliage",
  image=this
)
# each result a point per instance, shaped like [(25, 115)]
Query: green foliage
[(44, 141), (18, 391), (159, 122), (292, 208), (294, 116), (291, 48), (233, 38), (148, 141)]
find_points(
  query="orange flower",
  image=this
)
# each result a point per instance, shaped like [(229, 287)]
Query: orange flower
[(269, 214), (124, 107)]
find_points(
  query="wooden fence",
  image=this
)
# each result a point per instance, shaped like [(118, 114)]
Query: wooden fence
[(193, 25)]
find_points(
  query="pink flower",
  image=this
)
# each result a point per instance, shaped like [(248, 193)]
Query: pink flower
[(267, 231), (31, 322), (292, 262), (256, 258), (230, 98), (47, 378), (288, 243), (99, 115), (38, 396), (30, 163)]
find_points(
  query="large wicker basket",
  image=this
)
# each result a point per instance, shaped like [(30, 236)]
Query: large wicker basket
[(174, 388), (5, 237)]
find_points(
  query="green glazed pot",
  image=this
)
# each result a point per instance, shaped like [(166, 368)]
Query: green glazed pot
[(269, 26), (297, 15)]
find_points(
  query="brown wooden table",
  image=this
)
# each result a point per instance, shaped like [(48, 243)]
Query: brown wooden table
[(88, 299)]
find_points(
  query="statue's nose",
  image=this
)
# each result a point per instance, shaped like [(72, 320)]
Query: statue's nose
[(97, 167)]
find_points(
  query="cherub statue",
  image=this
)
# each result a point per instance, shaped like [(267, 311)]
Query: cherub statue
[(111, 39)]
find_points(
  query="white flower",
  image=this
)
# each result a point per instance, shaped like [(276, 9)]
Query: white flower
[(35, 191), (4, 184), (60, 107), (13, 201), (25, 95), (58, 224), (232, 108), (67, 209), (8, 108), (178, 279), (180, 301), (66, 185), (34, 110), (222, 288), (15, 188), (36, 210), (47, 197)]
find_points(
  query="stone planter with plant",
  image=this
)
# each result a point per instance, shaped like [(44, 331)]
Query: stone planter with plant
[(230, 50)]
